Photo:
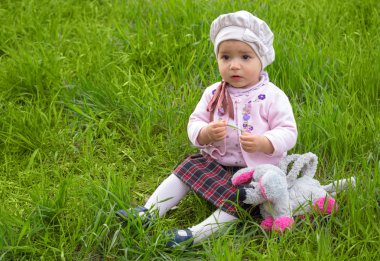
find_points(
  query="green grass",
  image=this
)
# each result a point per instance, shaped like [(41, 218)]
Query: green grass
[(94, 102)]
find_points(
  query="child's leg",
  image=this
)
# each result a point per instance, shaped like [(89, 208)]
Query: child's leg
[(167, 195), (210, 225)]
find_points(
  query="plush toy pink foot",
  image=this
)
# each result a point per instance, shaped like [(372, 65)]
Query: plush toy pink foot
[(325, 205), (267, 223), (282, 223), (278, 225)]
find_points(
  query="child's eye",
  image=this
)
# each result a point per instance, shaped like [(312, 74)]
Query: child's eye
[(224, 57), (246, 57)]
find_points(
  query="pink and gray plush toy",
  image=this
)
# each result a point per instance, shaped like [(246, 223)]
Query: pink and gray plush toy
[(283, 193)]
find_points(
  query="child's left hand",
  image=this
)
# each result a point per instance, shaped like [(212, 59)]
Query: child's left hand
[(256, 143)]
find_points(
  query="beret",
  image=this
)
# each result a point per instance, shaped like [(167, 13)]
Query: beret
[(245, 27)]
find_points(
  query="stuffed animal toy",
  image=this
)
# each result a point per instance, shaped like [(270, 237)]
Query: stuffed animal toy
[(283, 194), (267, 188)]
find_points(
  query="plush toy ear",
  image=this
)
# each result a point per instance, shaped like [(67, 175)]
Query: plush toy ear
[(243, 178), (303, 165)]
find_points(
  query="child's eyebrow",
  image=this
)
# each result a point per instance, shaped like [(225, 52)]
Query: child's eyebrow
[(247, 52), (240, 52)]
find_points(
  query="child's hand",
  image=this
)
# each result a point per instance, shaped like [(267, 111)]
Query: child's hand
[(256, 143), (214, 131)]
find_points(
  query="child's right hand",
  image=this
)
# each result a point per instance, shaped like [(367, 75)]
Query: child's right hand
[(214, 131)]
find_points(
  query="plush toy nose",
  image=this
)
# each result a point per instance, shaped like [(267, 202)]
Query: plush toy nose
[(242, 195)]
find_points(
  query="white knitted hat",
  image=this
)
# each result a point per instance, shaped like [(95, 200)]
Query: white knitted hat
[(245, 27)]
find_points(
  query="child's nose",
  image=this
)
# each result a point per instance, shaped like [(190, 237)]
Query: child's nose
[(234, 65)]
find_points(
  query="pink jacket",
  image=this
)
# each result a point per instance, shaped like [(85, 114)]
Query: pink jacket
[(263, 109)]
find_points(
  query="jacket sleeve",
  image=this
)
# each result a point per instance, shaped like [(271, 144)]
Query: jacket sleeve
[(200, 117), (283, 129)]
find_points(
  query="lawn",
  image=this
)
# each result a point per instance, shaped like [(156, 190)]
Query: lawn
[(94, 102)]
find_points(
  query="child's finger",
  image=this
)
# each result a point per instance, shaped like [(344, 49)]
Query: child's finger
[(246, 136), (221, 123)]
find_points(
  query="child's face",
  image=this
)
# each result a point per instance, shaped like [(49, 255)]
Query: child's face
[(238, 64)]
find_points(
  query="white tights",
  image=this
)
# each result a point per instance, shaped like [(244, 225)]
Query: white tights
[(170, 192)]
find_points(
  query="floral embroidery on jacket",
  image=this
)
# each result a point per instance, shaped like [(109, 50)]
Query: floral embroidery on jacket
[(247, 113)]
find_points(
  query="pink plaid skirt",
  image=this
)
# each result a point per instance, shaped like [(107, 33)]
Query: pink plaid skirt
[(211, 181)]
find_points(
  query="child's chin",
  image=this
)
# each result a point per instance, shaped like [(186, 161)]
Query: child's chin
[(238, 84)]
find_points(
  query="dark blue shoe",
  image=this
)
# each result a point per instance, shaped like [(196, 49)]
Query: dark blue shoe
[(134, 214), (179, 237)]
